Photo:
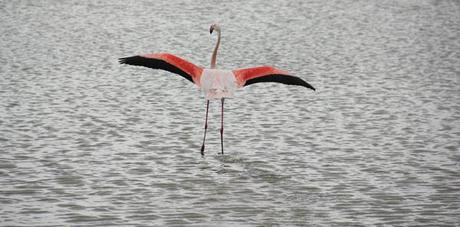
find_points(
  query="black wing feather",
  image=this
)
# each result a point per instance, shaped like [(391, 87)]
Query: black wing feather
[(280, 78), (155, 64)]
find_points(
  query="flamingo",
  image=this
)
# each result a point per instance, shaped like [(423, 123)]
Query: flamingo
[(215, 83)]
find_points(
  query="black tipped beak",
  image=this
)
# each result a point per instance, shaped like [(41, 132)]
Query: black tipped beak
[(211, 29)]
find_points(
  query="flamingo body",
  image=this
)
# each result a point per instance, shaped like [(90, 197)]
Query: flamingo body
[(218, 83), (214, 79), (215, 83)]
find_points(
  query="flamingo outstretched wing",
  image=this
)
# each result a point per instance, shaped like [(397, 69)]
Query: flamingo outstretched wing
[(248, 76), (168, 62)]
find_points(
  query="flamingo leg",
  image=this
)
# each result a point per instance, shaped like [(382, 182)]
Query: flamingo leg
[(205, 127), (222, 127)]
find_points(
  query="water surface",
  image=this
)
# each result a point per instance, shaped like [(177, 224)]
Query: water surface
[(85, 141)]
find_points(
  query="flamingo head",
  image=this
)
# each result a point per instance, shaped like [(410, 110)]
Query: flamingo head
[(214, 27)]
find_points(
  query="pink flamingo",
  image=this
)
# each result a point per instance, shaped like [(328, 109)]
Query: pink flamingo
[(216, 83)]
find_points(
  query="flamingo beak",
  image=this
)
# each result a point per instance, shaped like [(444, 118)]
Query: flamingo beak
[(211, 29)]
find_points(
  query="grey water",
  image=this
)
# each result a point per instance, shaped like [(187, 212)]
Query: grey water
[(85, 141)]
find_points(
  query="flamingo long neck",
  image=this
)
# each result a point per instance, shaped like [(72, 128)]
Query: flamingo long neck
[(214, 53)]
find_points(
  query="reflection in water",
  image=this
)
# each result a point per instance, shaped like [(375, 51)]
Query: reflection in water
[(87, 142)]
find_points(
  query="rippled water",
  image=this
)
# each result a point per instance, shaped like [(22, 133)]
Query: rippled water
[(86, 141)]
